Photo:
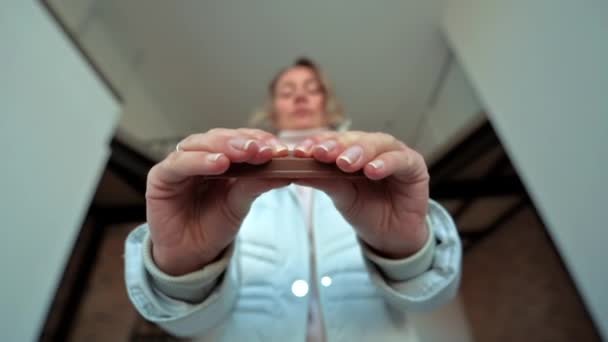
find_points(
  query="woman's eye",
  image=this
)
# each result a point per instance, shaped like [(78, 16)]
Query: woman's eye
[(285, 94), (285, 91), (313, 88)]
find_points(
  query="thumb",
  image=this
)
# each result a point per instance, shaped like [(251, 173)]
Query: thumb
[(245, 190)]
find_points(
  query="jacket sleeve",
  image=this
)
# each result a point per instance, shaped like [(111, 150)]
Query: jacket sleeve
[(427, 279), (187, 305)]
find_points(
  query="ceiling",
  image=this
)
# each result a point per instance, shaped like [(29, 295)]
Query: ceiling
[(207, 64)]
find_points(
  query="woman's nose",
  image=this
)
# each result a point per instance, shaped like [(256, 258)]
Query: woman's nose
[(301, 98)]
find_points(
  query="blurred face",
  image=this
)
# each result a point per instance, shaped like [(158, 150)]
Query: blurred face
[(299, 100)]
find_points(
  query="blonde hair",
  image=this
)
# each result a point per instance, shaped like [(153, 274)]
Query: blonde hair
[(263, 118)]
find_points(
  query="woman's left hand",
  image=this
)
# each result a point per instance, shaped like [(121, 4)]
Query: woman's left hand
[(387, 209)]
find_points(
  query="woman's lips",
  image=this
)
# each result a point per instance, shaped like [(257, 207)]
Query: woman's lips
[(302, 112)]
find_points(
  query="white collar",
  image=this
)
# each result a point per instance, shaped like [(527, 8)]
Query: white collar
[(297, 135)]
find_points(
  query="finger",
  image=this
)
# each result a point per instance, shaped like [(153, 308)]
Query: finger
[(350, 150), (327, 151), (345, 138), (179, 166), (238, 147), (304, 149), (236, 144), (365, 148), (407, 166), (244, 191), (272, 148), (256, 133), (279, 148)]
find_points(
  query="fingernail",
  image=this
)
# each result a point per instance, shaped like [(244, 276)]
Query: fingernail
[(241, 143), (304, 146), (377, 164), (352, 154), (213, 157), (278, 146), (265, 148), (327, 145)]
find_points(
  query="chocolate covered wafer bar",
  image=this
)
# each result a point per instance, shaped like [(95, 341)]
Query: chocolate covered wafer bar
[(288, 167)]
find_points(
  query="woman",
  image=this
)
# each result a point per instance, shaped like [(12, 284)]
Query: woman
[(316, 259)]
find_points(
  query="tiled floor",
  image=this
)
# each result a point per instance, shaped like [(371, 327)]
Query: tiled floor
[(106, 314), (513, 289)]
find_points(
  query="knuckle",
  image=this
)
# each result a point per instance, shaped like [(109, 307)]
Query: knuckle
[(188, 139), (382, 136), (216, 131), (324, 136), (379, 140), (415, 157), (193, 139), (317, 138), (386, 137), (255, 133), (259, 131), (353, 135), (397, 142), (153, 174), (350, 137), (169, 161)]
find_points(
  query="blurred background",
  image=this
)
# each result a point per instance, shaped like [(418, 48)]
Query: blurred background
[(505, 99)]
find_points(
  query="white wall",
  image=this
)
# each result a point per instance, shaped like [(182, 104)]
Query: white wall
[(55, 123), (208, 63), (455, 113), (541, 70), (142, 119)]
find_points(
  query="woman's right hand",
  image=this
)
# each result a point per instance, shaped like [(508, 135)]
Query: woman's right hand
[(193, 219)]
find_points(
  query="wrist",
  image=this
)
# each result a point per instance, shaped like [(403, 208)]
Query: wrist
[(177, 264), (400, 247)]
